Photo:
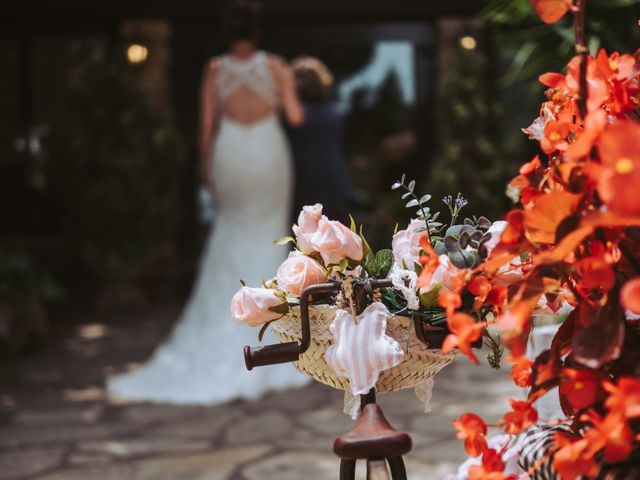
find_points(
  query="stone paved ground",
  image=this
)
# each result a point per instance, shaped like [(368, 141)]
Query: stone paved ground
[(56, 424)]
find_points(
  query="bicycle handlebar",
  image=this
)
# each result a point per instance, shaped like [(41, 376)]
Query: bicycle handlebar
[(291, 351)]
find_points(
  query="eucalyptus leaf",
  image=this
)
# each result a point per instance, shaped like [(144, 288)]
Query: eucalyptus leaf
[(396, 186), (451, 244), (412, 203), (425, 198), (406, 195), (484, 223), (412, 185), (463, 258), (463, 241), (403, 178)]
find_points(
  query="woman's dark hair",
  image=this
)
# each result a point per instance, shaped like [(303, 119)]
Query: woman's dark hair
[(313, 79), (244, 21)]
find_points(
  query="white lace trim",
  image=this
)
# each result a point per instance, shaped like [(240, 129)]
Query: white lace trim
[(406, 282)]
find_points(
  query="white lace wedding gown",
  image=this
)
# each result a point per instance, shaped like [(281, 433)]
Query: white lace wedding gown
[(202, 361)]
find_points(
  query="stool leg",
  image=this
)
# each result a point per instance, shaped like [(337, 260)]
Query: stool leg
[(398, 472), (377, 469), (347, 469)]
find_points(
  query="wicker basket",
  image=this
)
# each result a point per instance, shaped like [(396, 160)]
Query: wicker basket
[(419, 366)]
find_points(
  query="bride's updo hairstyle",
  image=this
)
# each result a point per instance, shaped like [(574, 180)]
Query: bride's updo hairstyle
[(245, 21)]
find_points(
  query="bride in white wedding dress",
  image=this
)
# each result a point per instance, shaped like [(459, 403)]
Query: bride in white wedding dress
[(247, 166)]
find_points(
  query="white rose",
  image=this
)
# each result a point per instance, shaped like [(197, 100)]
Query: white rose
[(406, 244)]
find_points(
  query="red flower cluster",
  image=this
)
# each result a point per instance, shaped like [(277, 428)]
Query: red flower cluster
[(576, 235)]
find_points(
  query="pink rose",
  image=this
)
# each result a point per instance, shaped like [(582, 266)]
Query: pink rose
[(406, 244), (251, 306), (335, 242), (307, 226), (298, 272), (443, 275)]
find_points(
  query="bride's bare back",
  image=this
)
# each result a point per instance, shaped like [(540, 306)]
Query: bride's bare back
[(245, 91)]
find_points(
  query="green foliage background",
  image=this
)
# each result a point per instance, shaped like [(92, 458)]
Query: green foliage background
[(486, 99)]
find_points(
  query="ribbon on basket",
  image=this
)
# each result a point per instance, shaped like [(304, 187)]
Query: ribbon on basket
[(362, 349)]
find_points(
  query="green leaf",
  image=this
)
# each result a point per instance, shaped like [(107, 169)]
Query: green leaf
[(281, 309), (353, 227), (365, 245), (284, 241), (243, 283), (370, 264), (430, 299), (262, 331), (384, 262), (344, 264)]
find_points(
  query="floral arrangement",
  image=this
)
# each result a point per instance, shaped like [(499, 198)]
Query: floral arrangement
[(431, 265), (576, 235)]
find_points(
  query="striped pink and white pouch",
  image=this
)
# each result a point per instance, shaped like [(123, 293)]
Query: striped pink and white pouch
[(362, 349)]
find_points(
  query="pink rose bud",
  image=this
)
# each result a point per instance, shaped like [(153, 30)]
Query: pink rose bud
[(307, 225), (336, 242), (298, 272), (251, 306)]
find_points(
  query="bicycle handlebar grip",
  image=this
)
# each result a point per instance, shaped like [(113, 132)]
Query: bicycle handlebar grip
[(270, 354)]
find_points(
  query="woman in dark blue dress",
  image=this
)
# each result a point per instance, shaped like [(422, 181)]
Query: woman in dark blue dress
[(321, 173)]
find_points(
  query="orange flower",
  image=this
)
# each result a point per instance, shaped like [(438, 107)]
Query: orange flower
[(492, 468), (619, 70), (595, 273), (531, 166), (498, 295), (630, 295), (513, 233), (521, 371), (472, 429), (464, 331), (616, 66), (480, 287), (571, 460), (522, 416), (611, 433), (450, 301), (596, 82), (594, 125), (555, 137), (624, 397), (580, 387), (542, 219), (619, 176), (430, 262), (550, 11)]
